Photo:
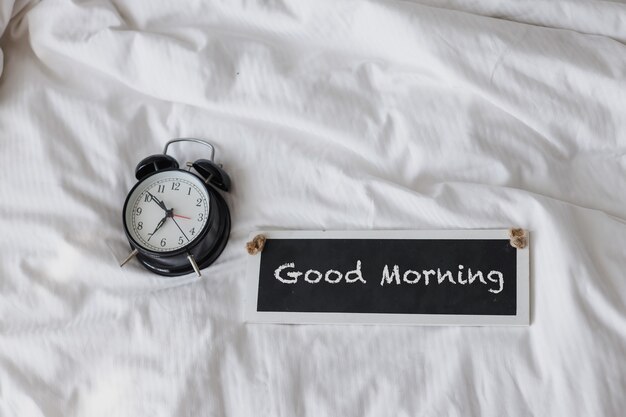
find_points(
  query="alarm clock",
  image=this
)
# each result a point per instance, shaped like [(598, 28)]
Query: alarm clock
[(176, 220)]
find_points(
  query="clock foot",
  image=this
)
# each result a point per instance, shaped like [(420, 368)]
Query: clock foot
[(129, 257), (194, 265)]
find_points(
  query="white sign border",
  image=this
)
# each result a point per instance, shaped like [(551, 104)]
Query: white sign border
[(521, 318)]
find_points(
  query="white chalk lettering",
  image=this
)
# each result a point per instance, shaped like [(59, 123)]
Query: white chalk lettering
[(389, 278), (415, 280), (313, 281), (338, 274), (293, 275), (442, 277), (459, 278), (427, 274), (471, 277), (493, 281), (357, 273), (499, 281)]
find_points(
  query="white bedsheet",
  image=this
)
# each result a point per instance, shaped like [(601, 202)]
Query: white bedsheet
[(327, 115)]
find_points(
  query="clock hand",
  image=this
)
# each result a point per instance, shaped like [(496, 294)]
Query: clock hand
[(182, 217), (157, 227), (156, 200), (181, 230)]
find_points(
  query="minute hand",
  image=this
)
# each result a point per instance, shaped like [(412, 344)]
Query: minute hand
[(156, 200)]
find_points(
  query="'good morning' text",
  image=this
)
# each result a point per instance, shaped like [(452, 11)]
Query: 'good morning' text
[(392, 275)]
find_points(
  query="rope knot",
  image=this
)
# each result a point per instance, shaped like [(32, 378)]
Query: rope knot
[(518, 238), (256, 245)]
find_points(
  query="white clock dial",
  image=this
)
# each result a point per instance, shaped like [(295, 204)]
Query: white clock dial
[(167, 211)]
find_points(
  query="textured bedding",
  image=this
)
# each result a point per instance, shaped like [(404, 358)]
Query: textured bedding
[(327, 115)]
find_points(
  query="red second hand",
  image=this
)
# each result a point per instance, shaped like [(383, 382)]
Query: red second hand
[(182, 217)]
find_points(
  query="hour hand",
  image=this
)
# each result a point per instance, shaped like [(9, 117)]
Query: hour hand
[(156, 200), (158, 226)]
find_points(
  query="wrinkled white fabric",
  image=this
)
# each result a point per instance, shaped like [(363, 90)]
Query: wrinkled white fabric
[(327, 115), (8, 9)]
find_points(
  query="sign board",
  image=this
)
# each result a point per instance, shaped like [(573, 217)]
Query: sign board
[(445, 277)]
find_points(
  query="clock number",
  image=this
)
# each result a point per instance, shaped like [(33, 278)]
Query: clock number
[(175, 186), (139, 225), (180, 240), (139, 210), (189, 191), (192, 231), (200, 217), (147, 198), (163, 242), (161, 188), (198, 202)]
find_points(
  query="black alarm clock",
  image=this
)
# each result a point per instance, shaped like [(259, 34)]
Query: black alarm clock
[(176, 220)]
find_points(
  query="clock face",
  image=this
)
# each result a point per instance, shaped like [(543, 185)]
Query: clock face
[(167, 211)]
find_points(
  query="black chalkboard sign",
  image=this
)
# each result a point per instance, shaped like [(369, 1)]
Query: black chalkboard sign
[(469, 277)]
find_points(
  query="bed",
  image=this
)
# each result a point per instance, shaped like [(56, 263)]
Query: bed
[(350, 115)]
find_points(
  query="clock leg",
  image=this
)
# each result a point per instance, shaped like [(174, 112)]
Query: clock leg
[(129, 257), (194, 265)]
